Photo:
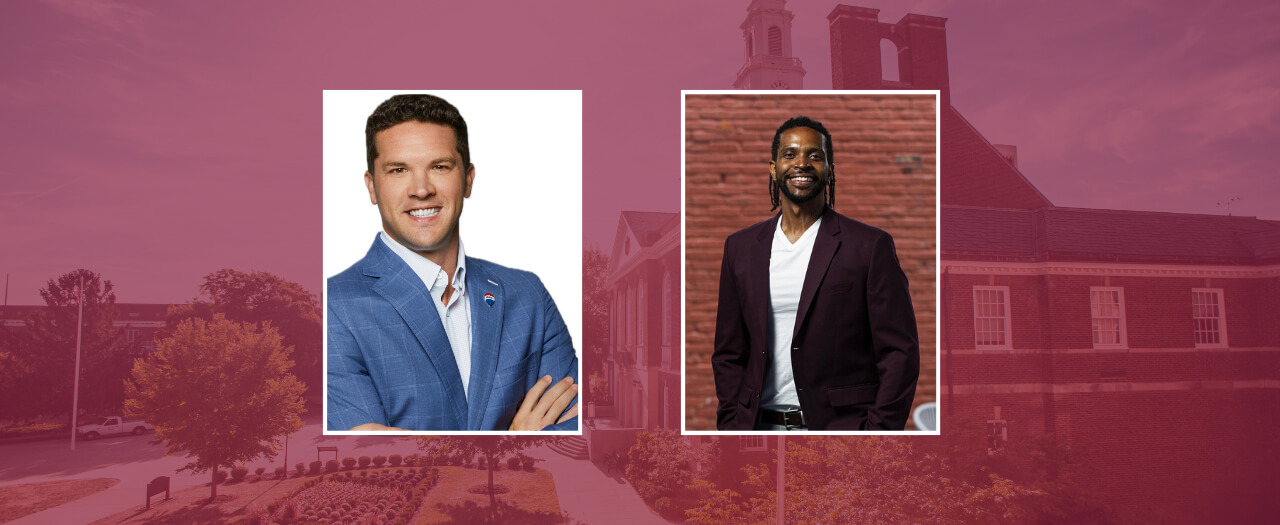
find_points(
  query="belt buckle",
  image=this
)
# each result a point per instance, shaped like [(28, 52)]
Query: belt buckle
[(787, 419)]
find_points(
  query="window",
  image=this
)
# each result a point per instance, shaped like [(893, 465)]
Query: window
[(991, 328), (775, 41), (1107, 306), (751, 443), (1210, 321)]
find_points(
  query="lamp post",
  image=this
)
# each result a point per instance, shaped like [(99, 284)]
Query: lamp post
[(75, 389)]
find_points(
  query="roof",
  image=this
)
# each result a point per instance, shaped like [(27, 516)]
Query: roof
[(975, 173), (649, 226), (1082, 234)]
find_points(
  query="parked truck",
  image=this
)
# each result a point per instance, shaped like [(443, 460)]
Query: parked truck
[(111, 425)]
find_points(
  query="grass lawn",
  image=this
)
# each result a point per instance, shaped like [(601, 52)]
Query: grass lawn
[(235, 502), (17, 501), (531, 499)]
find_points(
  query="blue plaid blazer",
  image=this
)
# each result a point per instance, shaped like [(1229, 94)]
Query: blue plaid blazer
[(389, 360)]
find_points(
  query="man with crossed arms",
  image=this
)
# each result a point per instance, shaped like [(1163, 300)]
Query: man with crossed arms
[(422, 336)]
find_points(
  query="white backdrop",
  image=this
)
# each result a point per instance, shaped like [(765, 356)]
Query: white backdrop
[(525, 209)]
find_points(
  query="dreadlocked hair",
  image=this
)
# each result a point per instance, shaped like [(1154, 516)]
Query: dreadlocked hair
[(831, 190)]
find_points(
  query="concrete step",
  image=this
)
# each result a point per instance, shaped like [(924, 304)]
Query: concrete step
[(571, 446)]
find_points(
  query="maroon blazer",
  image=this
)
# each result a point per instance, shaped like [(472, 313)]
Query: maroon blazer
[(854, 352)]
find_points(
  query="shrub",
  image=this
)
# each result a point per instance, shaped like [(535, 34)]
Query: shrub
[(300, 468), (281, 473), (529, 461), (480, 462), (364, 461), (395, 460), (412, 460), (315, 467), (667, 507), (349, 462), (513, 462), (378, 461), (259, 471), (219, 476), (238, 473), (331, 465)]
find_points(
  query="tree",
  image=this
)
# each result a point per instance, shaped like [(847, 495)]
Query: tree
[(595, 321), (661, 467), (44, 353), (218, 390), (493, 448), (258, 297)]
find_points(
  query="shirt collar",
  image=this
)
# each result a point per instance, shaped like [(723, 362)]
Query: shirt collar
[(426, 270)]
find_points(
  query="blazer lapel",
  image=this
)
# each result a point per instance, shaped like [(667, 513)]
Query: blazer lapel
[(758, 275), (824, 249), (486, 334), (402, 288)]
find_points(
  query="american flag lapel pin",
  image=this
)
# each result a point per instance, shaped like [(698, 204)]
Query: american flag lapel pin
[(488, 299)]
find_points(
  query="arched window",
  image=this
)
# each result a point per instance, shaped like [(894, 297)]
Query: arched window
[(775, 41), (888, 60)]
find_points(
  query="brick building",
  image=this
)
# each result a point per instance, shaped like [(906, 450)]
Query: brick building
[(1147, 341), (1137, 336)]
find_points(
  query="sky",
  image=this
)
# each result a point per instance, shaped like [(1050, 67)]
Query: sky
[(157, 143)]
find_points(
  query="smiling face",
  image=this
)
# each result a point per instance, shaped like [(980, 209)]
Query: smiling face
[(419, 184), (801, 170)]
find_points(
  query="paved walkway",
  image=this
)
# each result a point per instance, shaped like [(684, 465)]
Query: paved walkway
[(590, 497)]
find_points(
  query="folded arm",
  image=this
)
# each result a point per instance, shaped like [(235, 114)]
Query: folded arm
[(353, 399)]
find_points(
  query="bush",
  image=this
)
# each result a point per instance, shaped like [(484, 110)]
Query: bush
[(395, 460), (378, 461), (331, 465), (219, 476), (412, 460), (238, 473), (259, 471), (281, 472), (349, 462), (513, 462), (300, 468), (529, 462), (315, 467), (481, 462)]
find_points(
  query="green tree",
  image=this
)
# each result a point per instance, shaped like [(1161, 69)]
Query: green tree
[(218, 390), (661, 467), (595, 321), (493, 448), (45, 351), (258, 297)]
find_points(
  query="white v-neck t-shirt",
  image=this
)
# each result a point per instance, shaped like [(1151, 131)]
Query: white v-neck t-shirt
[(788, 264)]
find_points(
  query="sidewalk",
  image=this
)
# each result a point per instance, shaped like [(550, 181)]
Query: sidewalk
[(590, 497)]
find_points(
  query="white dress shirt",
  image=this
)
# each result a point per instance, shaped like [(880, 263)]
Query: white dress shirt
[(787, 265), (456, 315)]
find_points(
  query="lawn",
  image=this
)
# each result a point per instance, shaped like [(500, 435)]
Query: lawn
[(235, 502), (17, 501), (531, 499)]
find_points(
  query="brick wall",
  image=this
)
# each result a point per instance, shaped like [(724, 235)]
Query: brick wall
[(885, 157)]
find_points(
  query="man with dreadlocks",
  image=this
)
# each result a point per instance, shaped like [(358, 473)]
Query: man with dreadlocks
[(814, 327)]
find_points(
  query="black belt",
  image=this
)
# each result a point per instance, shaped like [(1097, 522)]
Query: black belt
[(790, 419)]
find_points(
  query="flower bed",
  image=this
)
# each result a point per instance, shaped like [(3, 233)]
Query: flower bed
[(373, 498)]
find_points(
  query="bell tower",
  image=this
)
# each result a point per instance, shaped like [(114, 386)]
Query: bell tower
[(766, 34)]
